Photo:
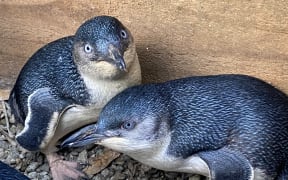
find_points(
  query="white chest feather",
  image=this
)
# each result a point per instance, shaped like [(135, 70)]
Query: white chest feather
[(158, 157), (101, 91)]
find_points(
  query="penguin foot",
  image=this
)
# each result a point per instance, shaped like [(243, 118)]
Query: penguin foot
[(62, 169)]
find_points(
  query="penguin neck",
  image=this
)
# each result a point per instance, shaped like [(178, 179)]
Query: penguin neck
[(103, 80), (101, 91)]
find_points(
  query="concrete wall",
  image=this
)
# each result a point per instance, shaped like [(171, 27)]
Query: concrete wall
[(174, 39)]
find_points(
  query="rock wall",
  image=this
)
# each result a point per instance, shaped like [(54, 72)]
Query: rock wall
[(174, 38)]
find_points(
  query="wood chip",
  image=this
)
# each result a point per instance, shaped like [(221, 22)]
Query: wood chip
[(4, 94), (101, 161)]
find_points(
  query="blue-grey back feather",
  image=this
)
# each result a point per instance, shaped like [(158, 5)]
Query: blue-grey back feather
[(207, 113)]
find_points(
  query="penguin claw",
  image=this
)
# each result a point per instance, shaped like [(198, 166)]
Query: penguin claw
[(62, 169)]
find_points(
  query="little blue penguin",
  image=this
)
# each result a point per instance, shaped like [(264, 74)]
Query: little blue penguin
[(65, 84), (9, 173), (225, 127)]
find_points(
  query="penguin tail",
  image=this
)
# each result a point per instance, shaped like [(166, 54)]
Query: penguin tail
[(12, 108), (284, 173), (5, 108)]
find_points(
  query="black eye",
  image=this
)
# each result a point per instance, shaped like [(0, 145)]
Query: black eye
[(128, 125), (123, 34), (88, 48)]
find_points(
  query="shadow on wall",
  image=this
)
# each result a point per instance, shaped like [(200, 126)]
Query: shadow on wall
[(159, 63)]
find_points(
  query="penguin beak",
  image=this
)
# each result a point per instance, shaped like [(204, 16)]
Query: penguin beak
[(85, 136), (115, 57)]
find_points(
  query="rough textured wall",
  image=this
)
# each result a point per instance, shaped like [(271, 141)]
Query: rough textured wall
[(174, 39)]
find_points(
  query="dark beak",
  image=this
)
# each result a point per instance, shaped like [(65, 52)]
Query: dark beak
[(116, 57), (83, 137)]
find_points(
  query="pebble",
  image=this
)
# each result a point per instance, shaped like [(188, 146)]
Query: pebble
[(13, 129), (43, 173), (47, 177), (32, 175), (44, 168), (11, 158), (4, 144), (145, 168), (32, 167), (82, 157), (117, 168), (105, 172), (21, 156), (74, 153), (119, 176), (98, 177)]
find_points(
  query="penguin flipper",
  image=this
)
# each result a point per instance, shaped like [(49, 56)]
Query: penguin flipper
[(225, 164), (42, 119)]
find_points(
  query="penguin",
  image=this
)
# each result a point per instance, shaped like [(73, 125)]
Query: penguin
[(224, 127), (9, 173), (66, 83)]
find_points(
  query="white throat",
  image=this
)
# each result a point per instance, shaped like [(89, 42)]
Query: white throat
[(103, 80)]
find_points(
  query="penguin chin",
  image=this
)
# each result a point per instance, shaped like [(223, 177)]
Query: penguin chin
[(116, 143), (107, 70), (124, 145), (101, 70)]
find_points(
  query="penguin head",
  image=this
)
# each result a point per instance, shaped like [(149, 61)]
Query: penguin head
[(103, 47), (132, 122)]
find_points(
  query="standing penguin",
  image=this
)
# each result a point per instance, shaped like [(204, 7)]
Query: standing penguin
[(226, 127), (66, 82)]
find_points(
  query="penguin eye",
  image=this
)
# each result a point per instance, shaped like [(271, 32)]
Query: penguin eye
[(128, 125), (123, 34), (88, 48)]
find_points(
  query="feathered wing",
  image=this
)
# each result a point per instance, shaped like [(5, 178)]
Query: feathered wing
[(42, 119)]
